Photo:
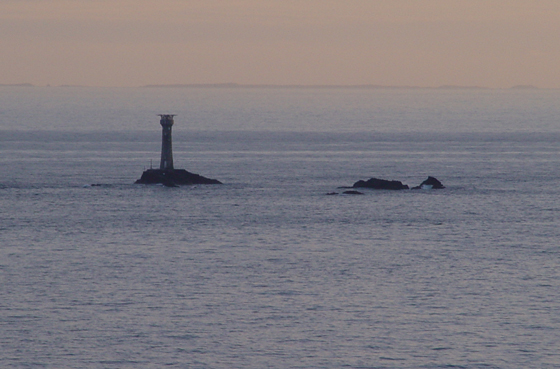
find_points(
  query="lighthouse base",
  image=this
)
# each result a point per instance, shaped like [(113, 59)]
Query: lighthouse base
[(173, 177)]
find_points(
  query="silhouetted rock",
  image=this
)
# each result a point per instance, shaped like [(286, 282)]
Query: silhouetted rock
[(380, 184), (430, 183), (174, 177), (352, 192), (332, 193)]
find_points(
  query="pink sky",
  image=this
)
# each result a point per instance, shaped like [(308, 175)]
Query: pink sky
[(489, 43)]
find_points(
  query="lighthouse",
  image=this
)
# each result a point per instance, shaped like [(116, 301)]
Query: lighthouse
[(166, 122), (167, 174)]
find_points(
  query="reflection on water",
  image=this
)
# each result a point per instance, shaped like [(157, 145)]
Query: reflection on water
[(266, 270)]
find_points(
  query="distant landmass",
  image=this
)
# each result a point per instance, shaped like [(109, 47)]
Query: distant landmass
[(453, 87), (240, 85), (524, 87), (16, 85), (365, 86)]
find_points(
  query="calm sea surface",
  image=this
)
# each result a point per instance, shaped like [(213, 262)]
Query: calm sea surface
[(267, 271)]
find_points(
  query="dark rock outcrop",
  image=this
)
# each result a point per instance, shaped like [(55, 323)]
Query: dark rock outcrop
[(174, 177), (351, 192), (380, 184), (430, 183)]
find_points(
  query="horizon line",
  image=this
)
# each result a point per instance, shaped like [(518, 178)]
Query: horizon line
[(302, 86), (365, 86)]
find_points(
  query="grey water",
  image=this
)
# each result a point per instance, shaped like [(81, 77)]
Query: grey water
[(266, 270)]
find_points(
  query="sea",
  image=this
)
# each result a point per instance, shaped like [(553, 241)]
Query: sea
[(267, 270)]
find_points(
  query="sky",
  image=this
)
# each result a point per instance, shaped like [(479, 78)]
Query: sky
[(426, 43)]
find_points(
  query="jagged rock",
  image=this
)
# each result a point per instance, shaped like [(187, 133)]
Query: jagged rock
[(430, 183), (380, 184), (174, 177), (352, 193)]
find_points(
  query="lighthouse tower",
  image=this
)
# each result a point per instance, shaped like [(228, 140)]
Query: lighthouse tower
[(166, 122), (166, 174)]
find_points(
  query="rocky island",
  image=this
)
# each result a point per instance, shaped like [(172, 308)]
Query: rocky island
[(380, 184), (384, 184), (428, 184)]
